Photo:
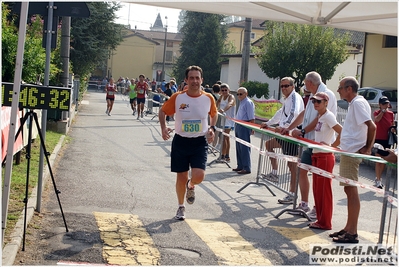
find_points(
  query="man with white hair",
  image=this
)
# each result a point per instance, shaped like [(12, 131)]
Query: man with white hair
[(246, 112), (314, 85)]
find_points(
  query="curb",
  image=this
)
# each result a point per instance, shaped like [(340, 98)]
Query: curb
[(11, 249)]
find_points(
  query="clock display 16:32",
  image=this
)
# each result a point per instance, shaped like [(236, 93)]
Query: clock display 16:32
[(38, 97)]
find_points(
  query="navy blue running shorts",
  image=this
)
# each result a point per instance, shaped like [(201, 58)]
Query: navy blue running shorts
[(188, 152)]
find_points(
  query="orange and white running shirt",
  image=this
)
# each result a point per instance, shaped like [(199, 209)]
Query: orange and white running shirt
[(191, 113)]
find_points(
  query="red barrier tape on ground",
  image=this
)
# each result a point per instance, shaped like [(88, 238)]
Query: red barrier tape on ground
[(310, 168)]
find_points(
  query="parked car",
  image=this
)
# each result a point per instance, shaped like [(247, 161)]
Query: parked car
[(373, 94)]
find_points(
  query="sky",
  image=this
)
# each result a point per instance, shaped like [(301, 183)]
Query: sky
[(144, 16)]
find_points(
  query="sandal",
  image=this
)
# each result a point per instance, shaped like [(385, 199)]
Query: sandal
[(337, 234), (347, 238)]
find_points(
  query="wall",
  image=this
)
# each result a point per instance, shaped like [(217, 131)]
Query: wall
[(134, 56), (347, 68), (236, 36), (380, 64), (231, 75)]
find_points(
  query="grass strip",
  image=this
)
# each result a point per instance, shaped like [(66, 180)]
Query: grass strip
[(18, 179)]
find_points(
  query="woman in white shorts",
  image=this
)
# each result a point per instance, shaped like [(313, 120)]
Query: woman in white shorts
[(226, 105)]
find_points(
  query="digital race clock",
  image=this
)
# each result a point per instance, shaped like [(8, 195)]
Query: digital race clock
[(38, 97)]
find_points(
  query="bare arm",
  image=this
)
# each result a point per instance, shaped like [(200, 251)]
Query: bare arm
[(296, 133), (370, 138), (211, 134), (338, 129), (165, 131), (311, 125), (230, 104), (392, 157), (379, 116), (298, 120)]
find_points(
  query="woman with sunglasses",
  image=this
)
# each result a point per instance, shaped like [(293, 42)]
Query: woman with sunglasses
[(226, 105), (325, 125)]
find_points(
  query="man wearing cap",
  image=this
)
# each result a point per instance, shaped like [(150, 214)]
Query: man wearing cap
[(324, 126), (384, 119), (314, 85)]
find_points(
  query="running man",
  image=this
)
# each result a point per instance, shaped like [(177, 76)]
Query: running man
[(132, 95), (190, 143), (142, 88)]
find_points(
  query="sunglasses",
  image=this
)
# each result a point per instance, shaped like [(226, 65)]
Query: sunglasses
[(316, 101), (285, 85), (223, 90), (240, 94)]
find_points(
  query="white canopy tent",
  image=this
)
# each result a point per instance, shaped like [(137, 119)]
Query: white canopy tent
[(373, 17)]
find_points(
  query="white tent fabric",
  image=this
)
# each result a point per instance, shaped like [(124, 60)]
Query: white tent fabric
[(373, 17)]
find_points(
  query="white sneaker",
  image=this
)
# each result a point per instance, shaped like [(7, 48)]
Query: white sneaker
[(180, 214), (312, 214), (301, 207), (288, 199), (378, 184)]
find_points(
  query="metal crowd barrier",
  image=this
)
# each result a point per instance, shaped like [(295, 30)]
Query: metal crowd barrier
[(389, 216), (153, 106), (388, 232)]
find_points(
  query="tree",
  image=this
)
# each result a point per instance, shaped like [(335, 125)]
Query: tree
[(180, 22), (294, 49), (34, 53), (204, 36), (94, 37)]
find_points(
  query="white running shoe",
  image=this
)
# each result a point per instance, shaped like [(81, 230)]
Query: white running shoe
[(312, 214), (300, 208), (288, 199), (378, 184), (180, 213)]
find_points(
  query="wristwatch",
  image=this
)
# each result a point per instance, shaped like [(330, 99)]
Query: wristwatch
[(303, 132), (213, 128)]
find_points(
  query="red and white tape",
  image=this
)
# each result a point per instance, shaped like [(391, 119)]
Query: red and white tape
[(312, 169)]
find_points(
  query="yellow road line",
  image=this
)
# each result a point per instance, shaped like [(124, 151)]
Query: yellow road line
[(126, 241), (302, 238), (227, 244)]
